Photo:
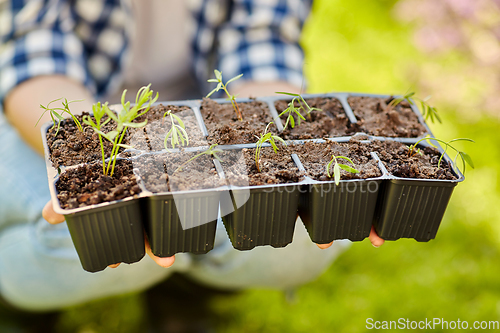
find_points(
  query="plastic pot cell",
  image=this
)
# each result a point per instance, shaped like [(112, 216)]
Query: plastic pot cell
[(180, 205), (344, 211), (413, 207), (257, 214)]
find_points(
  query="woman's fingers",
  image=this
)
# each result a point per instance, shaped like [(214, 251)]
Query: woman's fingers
[(324, 246), (163, 262), (50, 215), (375, 239)]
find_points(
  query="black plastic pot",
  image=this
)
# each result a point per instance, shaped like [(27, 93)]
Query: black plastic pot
[(183, 221), (413, 208), (259, 215), (267, 218), (103, 234), (330, 212), (166, 234), (108, 234)]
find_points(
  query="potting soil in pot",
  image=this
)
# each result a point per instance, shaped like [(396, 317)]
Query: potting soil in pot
[(375, 117)]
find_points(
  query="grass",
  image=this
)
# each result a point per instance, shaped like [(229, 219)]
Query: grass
[(354, 47)]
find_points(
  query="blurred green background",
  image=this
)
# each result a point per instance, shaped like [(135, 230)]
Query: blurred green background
[(447, 49)]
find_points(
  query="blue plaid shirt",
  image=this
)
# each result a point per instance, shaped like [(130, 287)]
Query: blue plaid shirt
[(86, 40)]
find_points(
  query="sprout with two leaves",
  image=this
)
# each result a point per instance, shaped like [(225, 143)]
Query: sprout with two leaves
[(57, 117), (291, 109), (337, 166), (428, 112), (466, 159), (212, 150), (221, 85), (177, 132), (266, 137)]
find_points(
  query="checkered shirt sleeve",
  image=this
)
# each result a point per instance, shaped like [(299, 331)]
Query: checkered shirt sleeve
[(84, 40)]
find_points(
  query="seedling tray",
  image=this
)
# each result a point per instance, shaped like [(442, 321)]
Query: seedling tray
[(110, 233)]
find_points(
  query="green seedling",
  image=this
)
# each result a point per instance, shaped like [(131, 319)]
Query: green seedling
[(57, 117), (466, 159), (266, 137), (428, 112), (177, 132), (221, 85), (123, 120), (213, 150), (337, 166), (291, 110), (99, 111)]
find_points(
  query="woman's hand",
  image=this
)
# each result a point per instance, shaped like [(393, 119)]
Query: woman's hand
[(374, 239)]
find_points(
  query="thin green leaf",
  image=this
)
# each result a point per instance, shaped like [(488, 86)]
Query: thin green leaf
[(467, 159), (136, 125), (336, 173), (346, 158), (438, 118), (110, 135), (328, 167), (234, 79), (280, 140), (185, 136), (179, 120), (106, 121), (111, 114), (461, 139), (348, 168), (286, 93), (218, 75), (212, 92), (273, 144), (58, 116), (175, 140)]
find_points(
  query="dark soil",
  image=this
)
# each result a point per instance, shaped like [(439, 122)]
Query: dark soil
[(376, 118), (276, 168), (223, 125), (72, 147), (398, 162), (330, 122), (316, 156), (86, 185), (158, 173), (152, 136)]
